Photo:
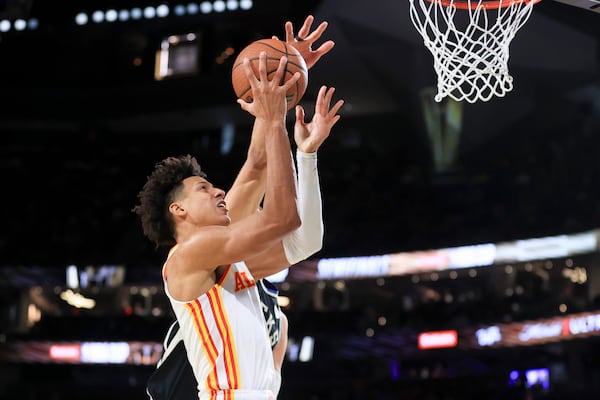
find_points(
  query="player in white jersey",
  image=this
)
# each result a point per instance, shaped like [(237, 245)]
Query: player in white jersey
[(174, 378), (178, 381), (213, 294), (224, 352)]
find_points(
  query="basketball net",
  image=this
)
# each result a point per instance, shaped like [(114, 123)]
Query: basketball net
[(469, 41)]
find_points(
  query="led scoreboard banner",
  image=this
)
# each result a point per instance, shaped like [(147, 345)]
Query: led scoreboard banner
[(137, 353), (527, 333), (536, 332), (473, 256)]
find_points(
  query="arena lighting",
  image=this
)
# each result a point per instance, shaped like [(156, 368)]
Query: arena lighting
[(34, 315), (111, 15), (99, 276), (124, 15), (302, 351), (98, 16), (533, 376), (576, 275), (574, 326), (353, 267), (18, 24), (537, 376), (469, 256), (541, 331), (306, 349), (547, 247), (104, 353), (232, 5), (473, 256), (77, 300), (488, 336), (192, 8), (438, 339), (537, 332), (149, 12), (123, 352), (219, 6), (179, 10), (206, 7), (81, 19), (64, 352), (162, 11), (136, 13), (72, 277)]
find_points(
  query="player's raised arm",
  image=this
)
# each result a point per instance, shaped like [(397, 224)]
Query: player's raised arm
[(308, 238), (218, 245)]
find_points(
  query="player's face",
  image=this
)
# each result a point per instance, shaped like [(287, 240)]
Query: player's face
[(203, 203)]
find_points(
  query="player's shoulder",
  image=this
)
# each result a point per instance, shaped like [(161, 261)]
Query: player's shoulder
[(188, 255)]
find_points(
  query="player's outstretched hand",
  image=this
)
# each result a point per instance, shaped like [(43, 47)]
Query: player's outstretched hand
[(268, 94), (310, 136), (304, 40)]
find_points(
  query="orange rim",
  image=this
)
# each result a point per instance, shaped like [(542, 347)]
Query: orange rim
[(487, 4)]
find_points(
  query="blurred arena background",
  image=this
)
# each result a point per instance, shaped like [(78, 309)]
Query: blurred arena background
[(460, 261)]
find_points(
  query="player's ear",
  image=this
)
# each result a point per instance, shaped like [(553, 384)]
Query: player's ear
[(176, 209)]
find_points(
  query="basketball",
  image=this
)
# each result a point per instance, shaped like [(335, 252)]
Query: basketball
[(275, 50)]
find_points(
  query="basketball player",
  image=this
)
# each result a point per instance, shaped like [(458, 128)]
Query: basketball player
[(213, 294), (174, 377)]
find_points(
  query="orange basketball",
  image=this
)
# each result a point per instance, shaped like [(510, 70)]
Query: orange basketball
[(275, 50)]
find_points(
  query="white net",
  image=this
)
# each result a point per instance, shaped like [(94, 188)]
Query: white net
[(470, 44)]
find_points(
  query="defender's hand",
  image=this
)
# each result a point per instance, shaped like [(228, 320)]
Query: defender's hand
[(310, 136)]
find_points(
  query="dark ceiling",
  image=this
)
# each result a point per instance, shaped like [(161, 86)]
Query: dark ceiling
[(82, 126)]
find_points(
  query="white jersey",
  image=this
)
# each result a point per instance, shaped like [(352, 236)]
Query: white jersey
[(226, 339)]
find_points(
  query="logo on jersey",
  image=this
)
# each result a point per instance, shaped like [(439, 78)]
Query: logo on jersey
[(242, 281)]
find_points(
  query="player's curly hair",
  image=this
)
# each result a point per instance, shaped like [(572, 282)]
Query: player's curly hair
[(158, 192)]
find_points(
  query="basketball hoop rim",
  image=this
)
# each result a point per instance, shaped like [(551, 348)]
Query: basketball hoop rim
[(487, 4)]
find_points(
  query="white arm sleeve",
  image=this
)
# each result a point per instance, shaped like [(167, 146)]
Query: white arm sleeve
[(308, 239)]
